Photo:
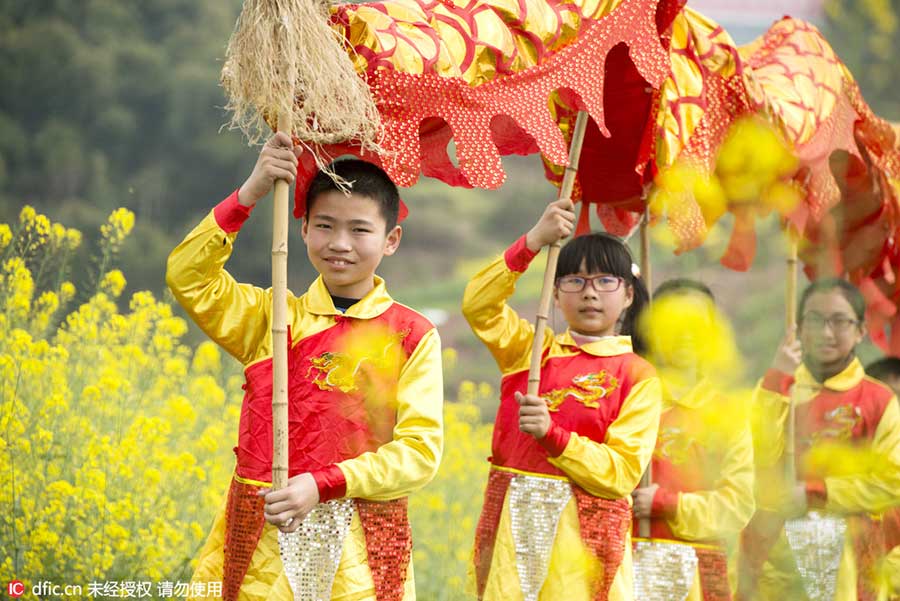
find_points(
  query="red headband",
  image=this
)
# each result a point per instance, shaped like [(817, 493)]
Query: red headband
[(307, 170)]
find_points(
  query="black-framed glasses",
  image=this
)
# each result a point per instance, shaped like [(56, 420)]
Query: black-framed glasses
[(838, 323), (601, 283)]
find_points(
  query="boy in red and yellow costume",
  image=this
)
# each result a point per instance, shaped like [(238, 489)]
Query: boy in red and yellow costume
[(365, 389)]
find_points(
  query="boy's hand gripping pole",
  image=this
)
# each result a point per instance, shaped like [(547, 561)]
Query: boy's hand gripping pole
[(565, 191), (279, 327)]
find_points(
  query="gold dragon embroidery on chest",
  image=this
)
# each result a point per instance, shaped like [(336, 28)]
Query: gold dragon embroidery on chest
[(587, 389), (372, 355), (674, 445), (840, 423)]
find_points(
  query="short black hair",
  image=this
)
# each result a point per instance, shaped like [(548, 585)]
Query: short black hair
[(603, 253), (884, 368), (365, 179), (676, 285), (848, 290)]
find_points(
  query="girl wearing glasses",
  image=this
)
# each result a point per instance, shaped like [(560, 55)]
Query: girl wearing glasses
[(556, 516), (847, 441)]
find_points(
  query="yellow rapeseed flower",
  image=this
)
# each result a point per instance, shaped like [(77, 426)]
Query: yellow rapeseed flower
[(113, 283), (5, 235), (66, 292), (73, 238), (449, 358), (17, 286), (117, 227), (27, 215), (207, 358), (57, 235)]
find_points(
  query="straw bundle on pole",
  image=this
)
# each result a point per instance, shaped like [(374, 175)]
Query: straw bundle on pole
[(284, 59)]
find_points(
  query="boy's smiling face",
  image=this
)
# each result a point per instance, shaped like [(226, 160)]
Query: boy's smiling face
[(346, 239)]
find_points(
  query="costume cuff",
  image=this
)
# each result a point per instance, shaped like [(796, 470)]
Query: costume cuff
[(816, 494), (555, 440), (331, 482), (230, 214), (777, 381), (519, 256), (665, 503)]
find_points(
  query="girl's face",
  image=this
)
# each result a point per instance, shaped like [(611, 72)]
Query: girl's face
[(829, 329), (595, 309)]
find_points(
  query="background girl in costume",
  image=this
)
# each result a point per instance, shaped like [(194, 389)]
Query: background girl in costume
[(847, 440), (567, 459), (702, 468)]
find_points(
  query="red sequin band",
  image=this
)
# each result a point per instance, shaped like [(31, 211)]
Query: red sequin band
[(244, 521), (604, 524), (486, 530), (388, 545), (712, 564), (868, 538)]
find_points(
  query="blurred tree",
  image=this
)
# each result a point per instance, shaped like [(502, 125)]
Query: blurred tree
[(114, 103), (109, 103), (864, 33)]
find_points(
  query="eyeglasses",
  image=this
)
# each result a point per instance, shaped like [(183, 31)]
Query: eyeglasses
[(837, 323), (601, 283)]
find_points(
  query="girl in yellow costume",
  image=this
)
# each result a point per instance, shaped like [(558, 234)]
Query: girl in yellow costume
[(556, 512), (702, 468), (847, 449)]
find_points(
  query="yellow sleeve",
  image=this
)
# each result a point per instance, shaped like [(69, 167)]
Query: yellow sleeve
[(768, 420), (494, 322), (233, 315), (872, 492), (726, 509), (411, 459), (890, 571), (769, 414), (612, 469)]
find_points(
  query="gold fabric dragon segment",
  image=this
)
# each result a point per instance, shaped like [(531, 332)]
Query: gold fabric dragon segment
[(662, 85)]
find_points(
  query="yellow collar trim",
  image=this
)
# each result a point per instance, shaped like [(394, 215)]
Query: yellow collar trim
[(852, 375), (608, 346), (317, 300)]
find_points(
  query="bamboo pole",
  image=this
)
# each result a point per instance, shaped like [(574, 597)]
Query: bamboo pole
[(565, 191), (280, 223), (790, 324), (647, 478), (645, 250)]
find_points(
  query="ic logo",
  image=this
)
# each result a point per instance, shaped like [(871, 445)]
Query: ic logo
[(15, 588)]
